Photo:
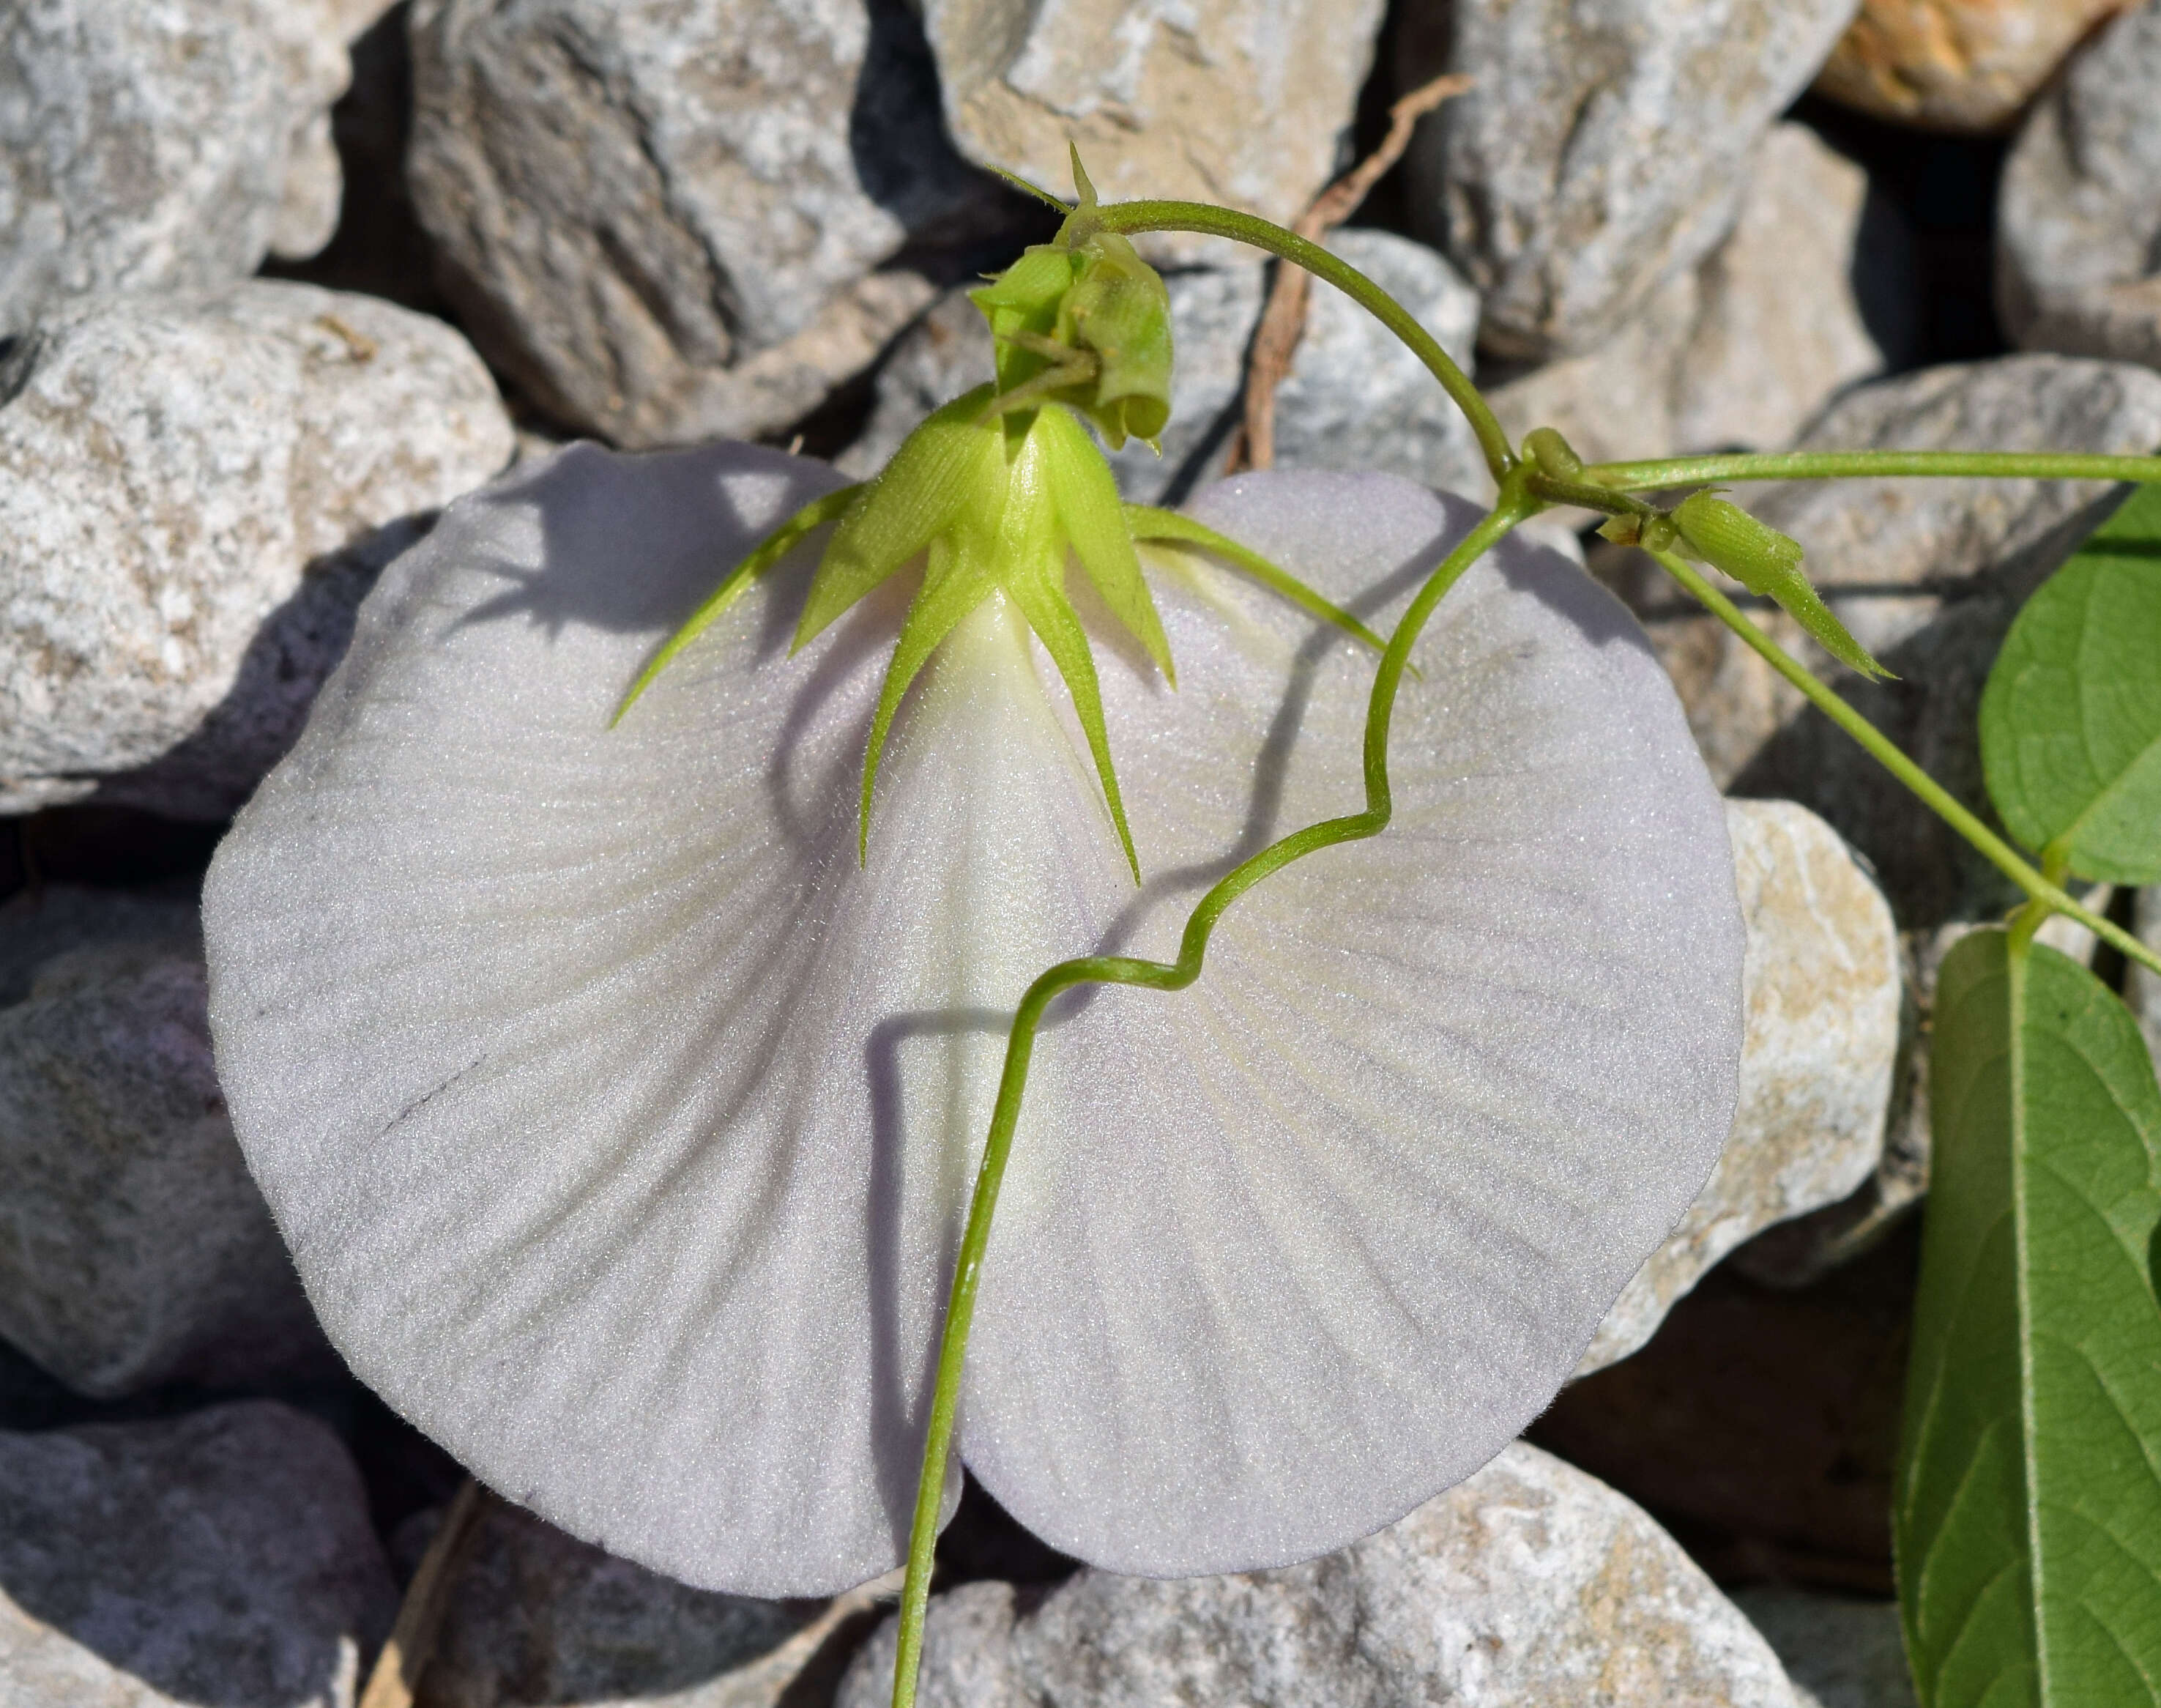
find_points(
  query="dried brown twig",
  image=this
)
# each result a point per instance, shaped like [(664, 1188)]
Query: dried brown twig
[(1283, 321), (396, 1677)]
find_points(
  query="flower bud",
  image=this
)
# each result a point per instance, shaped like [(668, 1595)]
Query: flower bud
[(1554, 455), (1766, 562), (1728, 537), (1084, 322)]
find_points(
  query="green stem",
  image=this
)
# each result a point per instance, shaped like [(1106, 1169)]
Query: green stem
[(1148, 974), (1886, 752), (1127, 217), (1556, 489), (1841, 465)]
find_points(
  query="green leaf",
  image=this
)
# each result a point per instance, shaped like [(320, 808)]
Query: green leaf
[(2028, 1508), (2070, 721)]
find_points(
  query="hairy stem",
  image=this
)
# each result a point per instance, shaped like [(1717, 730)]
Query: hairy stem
[(1886, 752), (1127, 217), (1150, 975), (1846, 464)]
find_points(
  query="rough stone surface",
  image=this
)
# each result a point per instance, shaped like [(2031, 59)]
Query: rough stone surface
[(1593, 161), (134, 1245), (663, 218), (178, 478), (36, 925), (1529, 1582), (537, 1618), (1822, 988), (167, 145), (1967, 65), (1928, 575), (1743, 351), (1355, 396), (2079, 216), (1242, 102), (1798, 1253), (1839, 1653), (221, 1559)]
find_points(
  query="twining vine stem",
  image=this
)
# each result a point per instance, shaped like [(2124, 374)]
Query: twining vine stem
[(1886, 752), (1127, 217), (1523, 491), (1149, 975), (1871, 465)]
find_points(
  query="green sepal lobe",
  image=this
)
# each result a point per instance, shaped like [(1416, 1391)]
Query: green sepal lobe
[(737, 582), (941, 468), (1157, 526)]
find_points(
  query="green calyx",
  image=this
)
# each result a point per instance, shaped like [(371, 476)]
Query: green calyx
[(996, 502), (1082, 321), (999, 490)]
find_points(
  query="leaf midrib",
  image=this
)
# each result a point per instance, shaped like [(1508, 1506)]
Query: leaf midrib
[(2016, 952)]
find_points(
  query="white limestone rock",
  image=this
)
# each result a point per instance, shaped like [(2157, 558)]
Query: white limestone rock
[(1528, 1582), (1594, 160), (666, 219), (168, 145), (1742, 351), (1822, 988), (1241, 102), (535, 1618), (193, 495), (2078, 215)]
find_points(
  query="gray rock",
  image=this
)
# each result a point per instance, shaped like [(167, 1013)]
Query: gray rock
[(1529, 1582), (663, 218), (1355, 396), (1242, 102), (178, 477), (162, 146), (1839, 1653), (223, 1557), (1594, 161), (1742, 351), (134, 1247), (1928, 573), (36, 925), (2078, 217), (1822, 987), (536, 1618)]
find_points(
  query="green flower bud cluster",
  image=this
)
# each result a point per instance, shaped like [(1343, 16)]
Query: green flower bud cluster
[(1082, 321)]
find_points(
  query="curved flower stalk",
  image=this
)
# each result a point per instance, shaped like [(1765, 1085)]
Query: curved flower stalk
[(622, 1125)]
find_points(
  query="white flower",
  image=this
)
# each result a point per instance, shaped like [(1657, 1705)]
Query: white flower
[(622, 1125)]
